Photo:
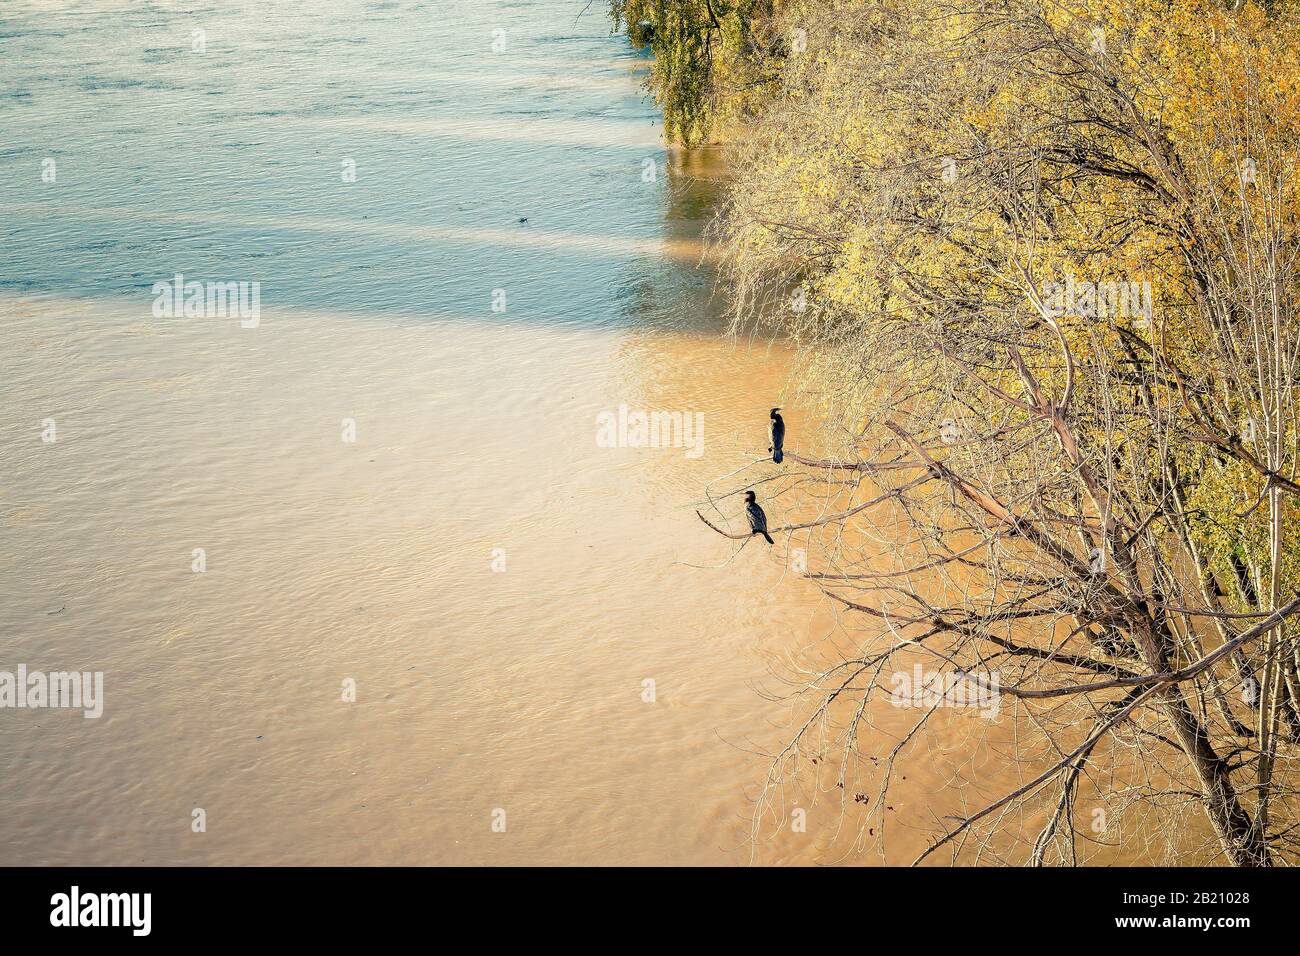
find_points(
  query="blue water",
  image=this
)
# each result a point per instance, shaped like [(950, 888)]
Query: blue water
[(227, 164)]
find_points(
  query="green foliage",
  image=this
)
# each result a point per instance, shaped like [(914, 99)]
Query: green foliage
[(712, 57)]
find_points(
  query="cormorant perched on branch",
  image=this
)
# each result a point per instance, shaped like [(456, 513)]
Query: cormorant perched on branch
[(776, 434), (757, 519)]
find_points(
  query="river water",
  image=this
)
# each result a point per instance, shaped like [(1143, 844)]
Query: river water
[(381, 481)]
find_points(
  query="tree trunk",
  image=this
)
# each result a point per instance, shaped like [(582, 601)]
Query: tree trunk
[(1241, 840)]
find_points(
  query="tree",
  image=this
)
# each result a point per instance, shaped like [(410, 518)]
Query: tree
[(712, 57), (1048, 254)]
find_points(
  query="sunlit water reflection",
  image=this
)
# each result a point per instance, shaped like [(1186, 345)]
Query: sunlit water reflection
[(326, 560)]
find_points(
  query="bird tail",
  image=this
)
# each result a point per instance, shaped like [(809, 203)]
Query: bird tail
[(778, 455), (768, 537)]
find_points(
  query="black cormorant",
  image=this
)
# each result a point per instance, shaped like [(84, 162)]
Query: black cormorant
[(757, 519), (776, 434)]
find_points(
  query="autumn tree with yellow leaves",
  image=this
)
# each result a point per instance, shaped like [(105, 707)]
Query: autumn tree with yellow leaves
[(1040, 262)]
